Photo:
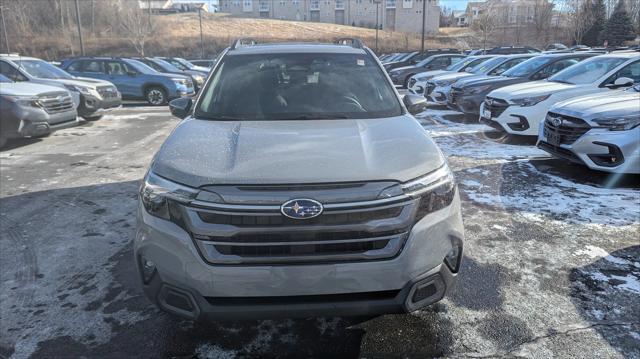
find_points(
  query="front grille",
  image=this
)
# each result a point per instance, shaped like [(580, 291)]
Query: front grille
[(412, 82), (108, 92), (56, 102), (495, 105), (560, 152), (367, 228), (305, 299), (429, 88), (565, 129), (454, 95)]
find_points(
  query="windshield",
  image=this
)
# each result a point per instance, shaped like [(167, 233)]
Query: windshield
[(42, 69), (528, 67), (141, 67), (298, 86), (587, 71), (166, 65), (487, 65), (185, 63)]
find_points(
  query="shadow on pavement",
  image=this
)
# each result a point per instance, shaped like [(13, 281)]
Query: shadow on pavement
[(607, 295)]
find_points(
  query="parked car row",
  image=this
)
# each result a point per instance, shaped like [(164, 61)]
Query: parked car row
[(37, 97), (579, 104)]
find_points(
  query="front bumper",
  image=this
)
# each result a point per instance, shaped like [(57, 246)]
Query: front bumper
[(517, 120), (467, 104), (440, 95), (22, 121), (182, 91), (268, 291), (91, 105), (600, 149)]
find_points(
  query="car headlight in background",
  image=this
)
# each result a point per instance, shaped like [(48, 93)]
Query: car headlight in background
[(158, 196), (27, 101), (182, 82), (199, 79), (529, 101), (75, 88), (619, 123)]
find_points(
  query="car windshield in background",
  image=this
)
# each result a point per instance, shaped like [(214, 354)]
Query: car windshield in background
[(3, 78), (167, 66), (42, 69), (588, 71), (486, 65), (465, 63), (527, 67), (298, 86), (185, 63), (141, 67)]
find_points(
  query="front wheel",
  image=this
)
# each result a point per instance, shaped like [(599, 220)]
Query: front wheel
[(156, 96), (406, 81)]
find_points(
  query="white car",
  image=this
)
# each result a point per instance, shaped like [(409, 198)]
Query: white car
[(599, 131), (519, 109), (418, 82), (439, 87)]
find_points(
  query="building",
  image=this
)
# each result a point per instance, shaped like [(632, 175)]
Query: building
[(473, 10), (460, 19), (393, 15), (176, 6)]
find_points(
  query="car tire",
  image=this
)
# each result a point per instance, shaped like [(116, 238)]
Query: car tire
[(156, 96), (92, 118), (406, 81)]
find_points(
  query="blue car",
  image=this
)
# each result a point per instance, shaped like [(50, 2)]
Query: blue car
[(134, 80)]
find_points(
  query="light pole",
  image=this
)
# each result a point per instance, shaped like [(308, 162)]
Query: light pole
[(377, 21), (201, 40), (424, 17), (4, 29), (79, 28)]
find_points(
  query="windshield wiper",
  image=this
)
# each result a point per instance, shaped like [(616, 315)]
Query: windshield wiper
[(562, 82), (311, 117)]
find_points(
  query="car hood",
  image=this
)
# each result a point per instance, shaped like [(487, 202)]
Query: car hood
[(27, 89), (201, 152), (496, 81), (616, 103), (535, 88), (431, 74), (404, 69), (451, 77), (89, 82)]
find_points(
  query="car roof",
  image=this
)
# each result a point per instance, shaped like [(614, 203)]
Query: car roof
[(295, 48)]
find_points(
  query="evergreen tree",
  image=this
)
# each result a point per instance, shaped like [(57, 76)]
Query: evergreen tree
[(598, 14), (618, 28)]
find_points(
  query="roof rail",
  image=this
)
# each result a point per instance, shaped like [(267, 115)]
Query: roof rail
[(349, 41), (11, 54), (243, 42)]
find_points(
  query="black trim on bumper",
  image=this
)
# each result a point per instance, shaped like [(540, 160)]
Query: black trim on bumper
[(491, 123), (560, 152)]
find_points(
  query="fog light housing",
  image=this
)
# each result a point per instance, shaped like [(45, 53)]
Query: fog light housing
[(147, 269), (454, 257)]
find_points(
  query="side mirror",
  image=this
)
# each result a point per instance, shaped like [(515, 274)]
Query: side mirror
[(180, 107), (620, 82), (415, 103), (468, 69)]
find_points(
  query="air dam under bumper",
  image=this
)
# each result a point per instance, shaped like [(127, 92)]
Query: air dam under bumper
[(183, 284)]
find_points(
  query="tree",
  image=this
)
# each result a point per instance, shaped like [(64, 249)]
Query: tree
[(598, 16), (618, 28), (137, 25), (485, 23), (578, 19), (542, 14)]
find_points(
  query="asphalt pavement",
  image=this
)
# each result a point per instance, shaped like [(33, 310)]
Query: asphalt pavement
[(552, 266)]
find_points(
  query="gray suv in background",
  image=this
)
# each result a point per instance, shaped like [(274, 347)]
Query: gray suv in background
[(298, 184)]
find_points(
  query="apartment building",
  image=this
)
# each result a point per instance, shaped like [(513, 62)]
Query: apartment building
[(393, 15)]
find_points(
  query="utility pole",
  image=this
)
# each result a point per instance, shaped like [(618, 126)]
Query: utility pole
[(377, 21), (4, 28), (424, 19), (201, 39), (79, 28)]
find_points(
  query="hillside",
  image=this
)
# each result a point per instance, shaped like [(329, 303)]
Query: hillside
[(179, 34)]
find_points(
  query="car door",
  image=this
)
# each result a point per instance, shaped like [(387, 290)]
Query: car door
[(123, 76), (631, 71), (555, 67)]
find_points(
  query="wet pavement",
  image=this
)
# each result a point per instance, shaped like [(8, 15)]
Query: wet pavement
[(552, 265)]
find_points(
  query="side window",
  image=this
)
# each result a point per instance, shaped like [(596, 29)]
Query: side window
[(440, 62), (455, 60), (631, 71), (115, 68), (552, 68), (92, 66), (10, 72), (505, 66), (153, 65), (74, 66)]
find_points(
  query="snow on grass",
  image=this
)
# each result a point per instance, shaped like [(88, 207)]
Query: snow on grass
[(555, 197)]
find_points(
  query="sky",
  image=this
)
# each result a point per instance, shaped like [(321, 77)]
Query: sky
[(455, 4)]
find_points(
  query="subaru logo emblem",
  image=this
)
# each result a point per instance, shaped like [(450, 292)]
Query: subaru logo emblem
[(489, 102), (60, 98), (301, 208), (556, 121)]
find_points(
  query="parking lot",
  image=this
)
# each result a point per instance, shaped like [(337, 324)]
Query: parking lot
[(551, 265)]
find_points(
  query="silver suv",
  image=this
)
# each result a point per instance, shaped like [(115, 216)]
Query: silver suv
[(298, 184)]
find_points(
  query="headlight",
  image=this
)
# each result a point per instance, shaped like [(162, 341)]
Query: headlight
[(76, 88), (443, 83), (159, 195), (479, 89), (619, 123), (529, 101), (26, 101), (180, 81), (435, 190), (198, 79)]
